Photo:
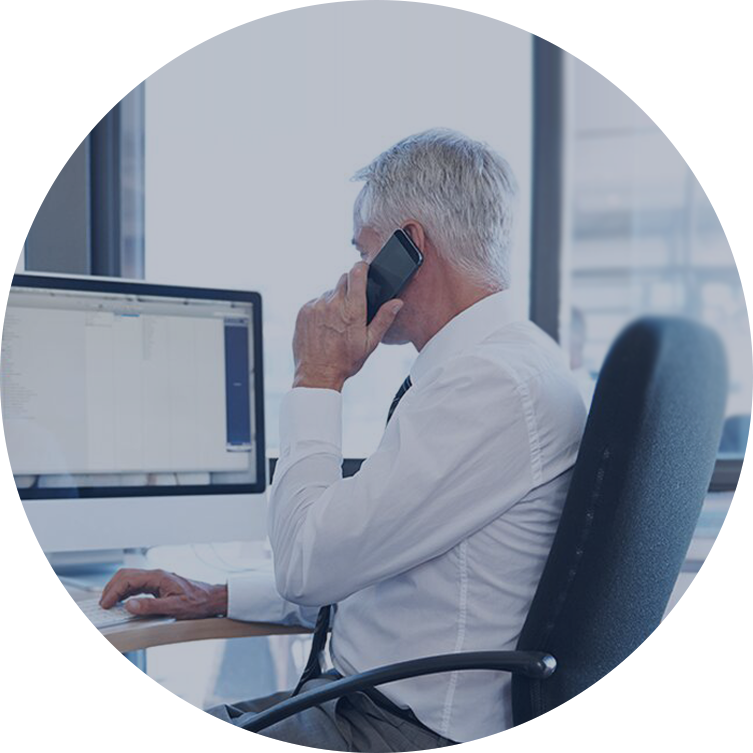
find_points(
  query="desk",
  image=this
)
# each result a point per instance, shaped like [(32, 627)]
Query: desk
[(181, 656), (141, 634), (150, 632)]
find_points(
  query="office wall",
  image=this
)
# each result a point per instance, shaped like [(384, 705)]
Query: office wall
[(252, 137)]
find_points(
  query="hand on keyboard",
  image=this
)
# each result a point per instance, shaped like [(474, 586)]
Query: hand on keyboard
[(174, 596)]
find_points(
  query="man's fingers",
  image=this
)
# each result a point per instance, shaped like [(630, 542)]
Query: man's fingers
[(342, 285), (338, 291), (170, 606), (357, 278), (382, 322), (129, 583)]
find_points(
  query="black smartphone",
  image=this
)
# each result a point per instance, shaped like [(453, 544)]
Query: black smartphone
[(390, 271)]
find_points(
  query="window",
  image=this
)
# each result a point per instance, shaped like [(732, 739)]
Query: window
[(248, 166), (644, 239), (92, 219)]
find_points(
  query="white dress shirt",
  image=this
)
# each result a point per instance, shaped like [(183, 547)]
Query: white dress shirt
[(437, 544)]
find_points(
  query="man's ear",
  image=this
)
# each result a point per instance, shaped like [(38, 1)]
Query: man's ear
[(415, 231)]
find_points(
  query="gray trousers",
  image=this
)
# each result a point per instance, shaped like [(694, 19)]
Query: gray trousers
[(354, 722)]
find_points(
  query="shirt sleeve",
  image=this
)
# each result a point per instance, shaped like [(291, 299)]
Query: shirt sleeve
[(455, 456), (253, 597)]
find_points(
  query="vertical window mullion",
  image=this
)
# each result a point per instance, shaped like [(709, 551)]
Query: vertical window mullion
[(547, 210)]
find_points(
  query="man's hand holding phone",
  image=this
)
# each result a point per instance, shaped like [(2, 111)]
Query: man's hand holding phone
[(332, 339)]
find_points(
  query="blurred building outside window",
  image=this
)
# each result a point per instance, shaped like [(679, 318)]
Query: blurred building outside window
[(644, 239)]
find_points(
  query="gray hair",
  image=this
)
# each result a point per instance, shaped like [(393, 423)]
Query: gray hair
[(460, 190)]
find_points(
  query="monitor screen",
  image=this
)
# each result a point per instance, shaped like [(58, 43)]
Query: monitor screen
[(115, 388)]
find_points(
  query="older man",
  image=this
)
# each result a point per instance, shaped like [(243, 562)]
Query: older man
[(438, 543)]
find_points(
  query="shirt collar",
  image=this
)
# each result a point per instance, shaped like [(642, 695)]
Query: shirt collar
[(464, 331)]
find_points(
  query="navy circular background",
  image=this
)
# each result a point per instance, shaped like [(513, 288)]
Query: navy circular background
[(65, 65)]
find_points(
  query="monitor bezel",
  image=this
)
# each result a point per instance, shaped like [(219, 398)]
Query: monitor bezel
[(134, 287)]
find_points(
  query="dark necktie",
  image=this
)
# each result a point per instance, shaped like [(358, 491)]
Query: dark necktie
[(404, 387), (313, 668)]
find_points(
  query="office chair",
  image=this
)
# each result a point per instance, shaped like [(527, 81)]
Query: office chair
[(637, 488)]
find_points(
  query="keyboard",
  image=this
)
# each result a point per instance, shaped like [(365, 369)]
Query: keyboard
[(104, 618)]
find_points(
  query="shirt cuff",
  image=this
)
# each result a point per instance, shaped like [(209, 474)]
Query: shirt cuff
[(253, 597), (310, 414), (248, 596)]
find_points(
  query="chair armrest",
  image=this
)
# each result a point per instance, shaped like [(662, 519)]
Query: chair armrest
[(533, 664), (140, 634)]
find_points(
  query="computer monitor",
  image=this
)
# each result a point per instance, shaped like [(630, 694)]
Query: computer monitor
[(134, 413)]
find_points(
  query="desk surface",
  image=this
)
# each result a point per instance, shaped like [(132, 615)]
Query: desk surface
[(140, 634)]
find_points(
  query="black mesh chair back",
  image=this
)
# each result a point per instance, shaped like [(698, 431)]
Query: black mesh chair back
[(642, 473)]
